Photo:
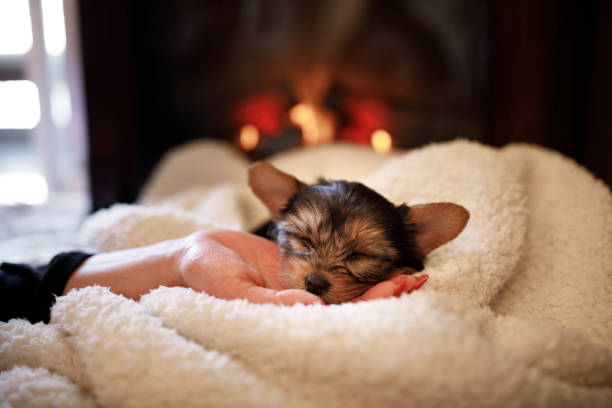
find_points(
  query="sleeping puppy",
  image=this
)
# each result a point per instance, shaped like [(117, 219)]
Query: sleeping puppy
[(338, 238)]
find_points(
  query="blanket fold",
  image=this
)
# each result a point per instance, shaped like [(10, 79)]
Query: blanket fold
[(517, 310)]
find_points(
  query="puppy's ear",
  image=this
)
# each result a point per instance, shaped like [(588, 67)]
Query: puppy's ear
[(437, 223), (273, 187)]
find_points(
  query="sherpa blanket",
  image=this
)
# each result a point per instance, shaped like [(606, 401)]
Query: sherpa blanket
[(517, 311)]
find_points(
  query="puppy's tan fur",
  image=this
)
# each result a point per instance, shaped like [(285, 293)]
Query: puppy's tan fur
[(337, 239)]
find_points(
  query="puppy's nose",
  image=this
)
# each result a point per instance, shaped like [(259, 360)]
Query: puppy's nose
[(316, 285)]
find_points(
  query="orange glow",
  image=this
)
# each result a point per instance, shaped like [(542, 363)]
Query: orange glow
[(249, 137), (264, 110), (316, 125), (304, 116), (381, 141), (301, 113)]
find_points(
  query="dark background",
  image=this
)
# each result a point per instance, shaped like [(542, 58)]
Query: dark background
[(160, 73)]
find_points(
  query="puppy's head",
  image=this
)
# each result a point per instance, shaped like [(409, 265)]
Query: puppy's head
[(337, 238)]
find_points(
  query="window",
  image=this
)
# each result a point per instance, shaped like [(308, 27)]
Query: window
[(42, 124)]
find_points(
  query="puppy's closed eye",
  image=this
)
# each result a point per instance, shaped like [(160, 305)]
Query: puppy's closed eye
[(315, 225), (342, 269), (356, 256)]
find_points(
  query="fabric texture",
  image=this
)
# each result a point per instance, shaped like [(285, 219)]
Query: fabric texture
[(517, 310), (29, 292)]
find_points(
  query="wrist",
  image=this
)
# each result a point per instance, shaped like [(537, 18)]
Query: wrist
[(186, 256), (160, 263), (132, 272)]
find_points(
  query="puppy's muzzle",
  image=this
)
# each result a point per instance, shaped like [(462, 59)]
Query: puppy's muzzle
[(316, 284)]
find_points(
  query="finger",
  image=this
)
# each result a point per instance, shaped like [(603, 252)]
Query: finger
[(253, 249), (259, 294), (240, 286), (290, 297), (383, 289), (388, 288), (244, 289), (259, 253), (420, 281)]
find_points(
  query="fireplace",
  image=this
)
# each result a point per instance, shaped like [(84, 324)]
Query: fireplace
[(279, 74), (270, 75)]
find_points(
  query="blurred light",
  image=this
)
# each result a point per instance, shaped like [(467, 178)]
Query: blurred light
[(381, 141), (15, 27), (356, 134), (303, 115), (316, 126), (265, 110), (61, 108), (54, 29), (23, 188), (19, 105), (368, 112), (249, 137)]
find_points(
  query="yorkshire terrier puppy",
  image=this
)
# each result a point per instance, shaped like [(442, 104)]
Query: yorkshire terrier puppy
[(338, 238)]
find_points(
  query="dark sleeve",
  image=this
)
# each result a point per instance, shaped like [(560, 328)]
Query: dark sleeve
[(29, 292)]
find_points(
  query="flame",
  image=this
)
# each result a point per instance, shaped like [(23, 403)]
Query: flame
[(249, 137), (304, 116), (381, 141), (302, 113), (317, 125)]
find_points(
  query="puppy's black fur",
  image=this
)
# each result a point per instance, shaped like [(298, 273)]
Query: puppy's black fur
[(339, 238)]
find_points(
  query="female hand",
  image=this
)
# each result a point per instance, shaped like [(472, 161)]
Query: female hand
[(225, 264), (232, 264)]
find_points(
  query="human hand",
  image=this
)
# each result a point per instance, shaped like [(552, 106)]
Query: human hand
[(393, 287), (236, 265), (232, 264), (224, 264)]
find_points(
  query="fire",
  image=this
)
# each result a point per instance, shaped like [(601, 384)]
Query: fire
[(302, 114), (381, 141), (249, 137), (317, 125), (264, 110)]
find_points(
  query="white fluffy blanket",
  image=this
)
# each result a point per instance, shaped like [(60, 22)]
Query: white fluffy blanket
[(517, 311)]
